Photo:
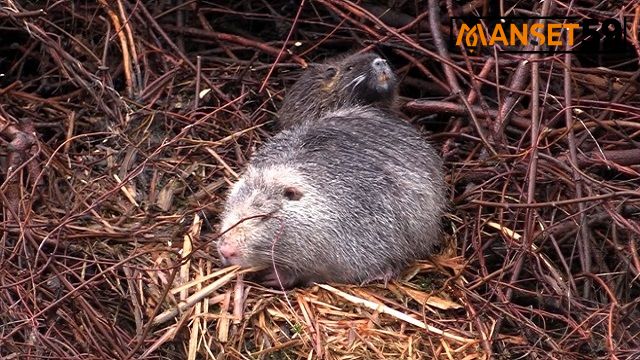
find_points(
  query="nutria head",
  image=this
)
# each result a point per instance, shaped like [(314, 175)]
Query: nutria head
[(360, 79), (364, 78)]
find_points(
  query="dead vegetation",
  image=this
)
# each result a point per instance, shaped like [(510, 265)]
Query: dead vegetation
[(123, 122)]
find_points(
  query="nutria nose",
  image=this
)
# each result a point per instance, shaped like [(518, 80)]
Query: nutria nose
[(379, 63), (228, 252)]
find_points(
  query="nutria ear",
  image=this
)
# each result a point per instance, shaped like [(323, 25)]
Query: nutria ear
[(292, 193), (330, 73)]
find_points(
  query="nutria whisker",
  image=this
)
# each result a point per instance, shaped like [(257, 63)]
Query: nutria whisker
[(357, 81)]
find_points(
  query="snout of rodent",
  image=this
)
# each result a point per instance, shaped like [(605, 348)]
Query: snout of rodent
[(234, 233), (380, 64), (382, 70), (229, 253), (251, 216), (229, 245), (235, 241)]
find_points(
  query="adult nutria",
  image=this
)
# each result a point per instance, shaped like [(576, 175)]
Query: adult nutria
[(360, 79), (352, 197)]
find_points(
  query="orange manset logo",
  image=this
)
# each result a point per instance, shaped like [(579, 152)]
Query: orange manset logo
[(551, 34)]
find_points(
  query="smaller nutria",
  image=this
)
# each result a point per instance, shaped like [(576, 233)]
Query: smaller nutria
[(352, 197), (360, 79)]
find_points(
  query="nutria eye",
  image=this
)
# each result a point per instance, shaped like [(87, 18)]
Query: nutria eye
[(292, 193), (330, 73), (349, 68)]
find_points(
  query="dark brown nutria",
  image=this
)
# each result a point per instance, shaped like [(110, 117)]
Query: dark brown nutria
[(352, 197), (360, 79)]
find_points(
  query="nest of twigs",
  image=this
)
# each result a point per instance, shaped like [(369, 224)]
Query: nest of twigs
[(124, 122)]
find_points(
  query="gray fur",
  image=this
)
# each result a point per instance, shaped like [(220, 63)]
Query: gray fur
[(336, 84), (373, 198)]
